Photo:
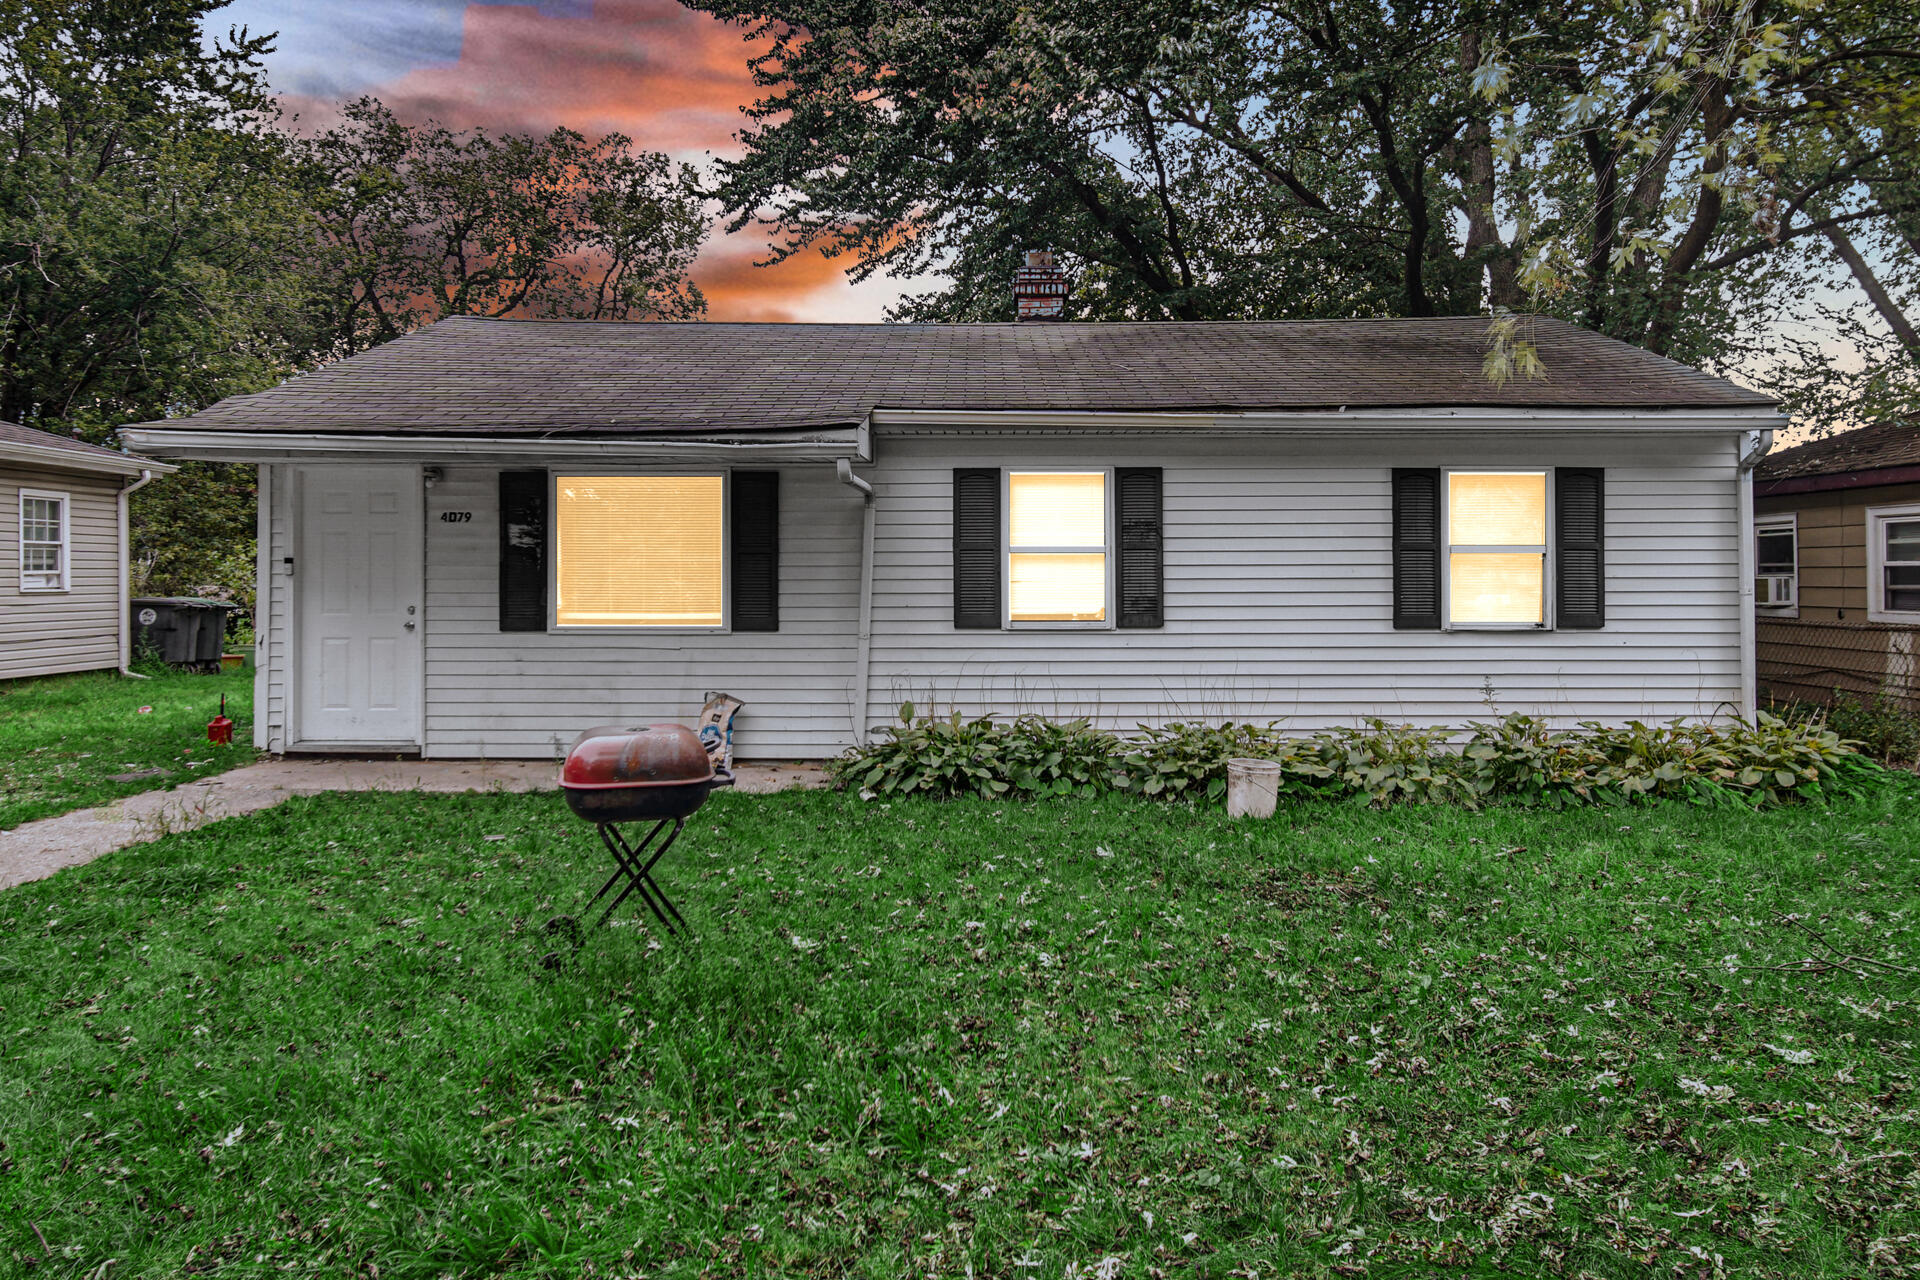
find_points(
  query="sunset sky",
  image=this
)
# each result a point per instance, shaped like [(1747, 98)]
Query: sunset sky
[(670, 79)]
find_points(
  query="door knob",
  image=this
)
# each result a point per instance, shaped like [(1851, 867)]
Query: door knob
[(409, 625)]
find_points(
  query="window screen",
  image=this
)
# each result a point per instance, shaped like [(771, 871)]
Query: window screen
[(1496, 548), (639, 551), (1057, 546)]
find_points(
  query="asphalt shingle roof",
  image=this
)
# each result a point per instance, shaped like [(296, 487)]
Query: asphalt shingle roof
[(1894, 443), (470, 376), (14, 433)]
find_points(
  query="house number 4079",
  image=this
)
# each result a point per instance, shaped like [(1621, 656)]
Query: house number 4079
[(456, 517)]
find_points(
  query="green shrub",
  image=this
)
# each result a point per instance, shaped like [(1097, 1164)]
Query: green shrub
[(1883, 725), (1189, 759), (1770, 762), (928, 755)]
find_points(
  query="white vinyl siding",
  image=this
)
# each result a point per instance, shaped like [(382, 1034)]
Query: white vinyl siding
[(527, 694), (1278, 558), (273, 652), (1279, 590), (77, 627)]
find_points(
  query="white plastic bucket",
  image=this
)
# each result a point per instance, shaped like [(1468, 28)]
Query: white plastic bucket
[(1253, 788)]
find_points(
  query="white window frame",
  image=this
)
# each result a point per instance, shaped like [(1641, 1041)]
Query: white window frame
[(1775, 523), (1007, 549), (1877, 520), (65, 500), (554, 624), (1447, 550)]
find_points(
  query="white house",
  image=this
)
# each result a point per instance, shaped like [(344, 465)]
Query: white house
[(483, 537), (63, 552)]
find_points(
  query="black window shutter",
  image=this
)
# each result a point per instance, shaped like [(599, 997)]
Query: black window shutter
[(756, 551), (523, 551), (1580, 548), (1416, 549), (976, 548), (1141, 577)]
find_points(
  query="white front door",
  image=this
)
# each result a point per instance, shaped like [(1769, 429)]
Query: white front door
[(359, 581)]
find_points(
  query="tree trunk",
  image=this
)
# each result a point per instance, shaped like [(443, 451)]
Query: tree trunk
[(1483, 231), (1876, 292)]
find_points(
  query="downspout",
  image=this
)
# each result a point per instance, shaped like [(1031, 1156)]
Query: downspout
[(1756, 445), (126, 543), (857, 694)]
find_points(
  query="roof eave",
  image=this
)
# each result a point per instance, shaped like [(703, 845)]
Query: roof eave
[(1265, 422), (819, 445), (53, 457), (1864, 478)]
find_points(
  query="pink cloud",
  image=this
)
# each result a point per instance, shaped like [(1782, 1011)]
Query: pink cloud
[(671, 79)]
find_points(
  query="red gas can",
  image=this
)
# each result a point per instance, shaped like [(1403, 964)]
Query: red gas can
[(220, 729)]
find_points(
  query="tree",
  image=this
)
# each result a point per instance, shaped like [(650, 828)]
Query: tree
[(1642, 170), (147, 247), (143, 218), (416, 222)]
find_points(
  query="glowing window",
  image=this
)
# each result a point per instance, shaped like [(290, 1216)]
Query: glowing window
[(1057, 546), (1496, 548), (639, 551)]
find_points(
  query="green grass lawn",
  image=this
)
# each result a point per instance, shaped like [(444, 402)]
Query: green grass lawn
[(1086, 1038), (63, 737)]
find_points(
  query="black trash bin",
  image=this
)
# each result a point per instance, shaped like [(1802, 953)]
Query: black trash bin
[(212, 639), (183, 631)]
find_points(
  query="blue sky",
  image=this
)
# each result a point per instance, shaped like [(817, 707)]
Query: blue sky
[(338, 48)]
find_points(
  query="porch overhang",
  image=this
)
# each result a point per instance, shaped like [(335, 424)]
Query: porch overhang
[(853, 443)]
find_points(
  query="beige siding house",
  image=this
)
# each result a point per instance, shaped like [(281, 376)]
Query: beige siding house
[(1837, 546), (483, 537), (63, 552)]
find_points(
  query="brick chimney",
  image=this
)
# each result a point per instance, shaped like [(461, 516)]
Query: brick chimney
[(1039, 288)]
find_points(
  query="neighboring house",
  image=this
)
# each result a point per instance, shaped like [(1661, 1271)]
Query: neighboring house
[(63, 552), (1837, 532), (483, 537)]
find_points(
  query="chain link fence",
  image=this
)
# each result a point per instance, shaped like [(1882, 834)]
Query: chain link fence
[(1810, 661)]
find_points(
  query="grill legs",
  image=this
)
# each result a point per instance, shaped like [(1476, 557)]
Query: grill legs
[(639, 873), (636, 864)]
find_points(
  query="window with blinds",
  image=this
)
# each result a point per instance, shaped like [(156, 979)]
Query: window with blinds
[(1057, 546), (43, 541), (639, 551), (1496, 548)]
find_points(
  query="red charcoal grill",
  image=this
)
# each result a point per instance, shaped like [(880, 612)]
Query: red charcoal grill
[(659, 774)]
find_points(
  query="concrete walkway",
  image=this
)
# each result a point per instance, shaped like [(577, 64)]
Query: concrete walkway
[(36, 850)]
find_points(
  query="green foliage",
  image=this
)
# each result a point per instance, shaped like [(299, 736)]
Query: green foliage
[(1188, 759), (920, 1038), (414, 222), (1519, 758), (1884, 726), (192, 534), (1668, 175), (63, 738), (147, 223), (951, 756)]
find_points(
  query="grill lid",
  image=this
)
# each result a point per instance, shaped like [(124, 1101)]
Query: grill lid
[(614, 756)]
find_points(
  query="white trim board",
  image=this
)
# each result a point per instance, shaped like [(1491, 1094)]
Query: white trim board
[(270, 446)]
